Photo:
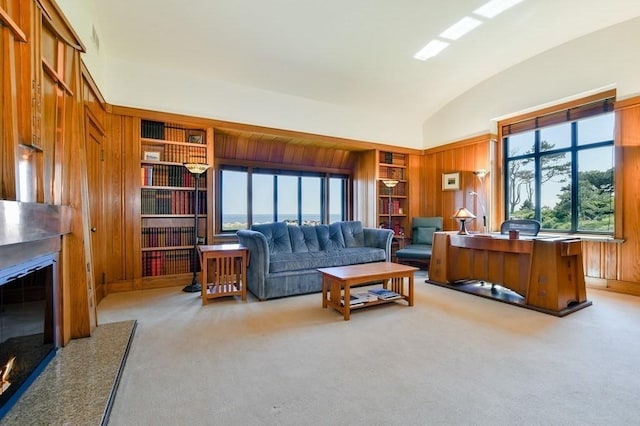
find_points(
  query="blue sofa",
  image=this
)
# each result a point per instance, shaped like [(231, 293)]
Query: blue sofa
[(283, 258)]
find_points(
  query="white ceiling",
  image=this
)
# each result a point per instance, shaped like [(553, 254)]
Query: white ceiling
[(355, 53)]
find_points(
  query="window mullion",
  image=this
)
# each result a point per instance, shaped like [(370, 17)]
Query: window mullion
[(537, 215), (574, 177), (275, 198)]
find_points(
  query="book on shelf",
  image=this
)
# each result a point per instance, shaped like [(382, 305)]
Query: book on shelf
[(385, 294)]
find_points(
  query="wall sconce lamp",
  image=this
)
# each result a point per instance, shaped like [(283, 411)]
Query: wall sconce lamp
[(463, 215), (390, 184), (481, 173)]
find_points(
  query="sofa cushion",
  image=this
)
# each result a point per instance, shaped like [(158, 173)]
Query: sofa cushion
[(310, 237), (324, 259), (303, 238), (298, 244), (423, 235), (330, 236), (353, 233), (277, 236)]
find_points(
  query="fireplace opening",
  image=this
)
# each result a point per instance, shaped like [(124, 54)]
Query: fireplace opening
[(27, 326)]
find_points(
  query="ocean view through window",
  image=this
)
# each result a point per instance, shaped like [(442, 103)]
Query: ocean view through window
[(257, 195), (238, 221)]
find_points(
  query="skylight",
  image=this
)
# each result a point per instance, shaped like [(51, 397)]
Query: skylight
[(460, 28), (431, 49), (495, 7), (463, 26)]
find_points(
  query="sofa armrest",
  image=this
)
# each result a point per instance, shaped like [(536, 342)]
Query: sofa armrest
[(379, 238), (259, 258)]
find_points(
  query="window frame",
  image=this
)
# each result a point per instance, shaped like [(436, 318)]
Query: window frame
[(570, 112), (325, 177)]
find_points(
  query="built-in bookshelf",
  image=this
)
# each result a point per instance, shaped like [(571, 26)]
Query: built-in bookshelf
[(392, 191), (167, 197)]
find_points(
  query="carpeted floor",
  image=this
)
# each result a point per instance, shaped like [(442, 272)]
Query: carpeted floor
[(452, 359), (77, 386)]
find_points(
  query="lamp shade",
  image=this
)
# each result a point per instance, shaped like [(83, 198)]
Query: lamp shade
[(463, 213), (196, 168), (389, 183), (481, 173)]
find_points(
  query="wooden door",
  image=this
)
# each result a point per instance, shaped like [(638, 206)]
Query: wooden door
[(95, 138)]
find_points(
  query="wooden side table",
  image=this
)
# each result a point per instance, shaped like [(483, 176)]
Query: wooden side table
[(224, 271), (398, 242)]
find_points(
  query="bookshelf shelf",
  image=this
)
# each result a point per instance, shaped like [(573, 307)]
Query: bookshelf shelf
[(173, 188), (168, 248), (167, 198), (392, 166), (169, 215)]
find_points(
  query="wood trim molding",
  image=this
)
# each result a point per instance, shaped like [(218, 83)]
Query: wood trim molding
[(627, 103), (11, 24), (60, 25), (92, 84), (54, 75), (461, 143), (320, 140), (558, 107)]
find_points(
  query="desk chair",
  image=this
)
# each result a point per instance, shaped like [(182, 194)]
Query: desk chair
[(525, 226)]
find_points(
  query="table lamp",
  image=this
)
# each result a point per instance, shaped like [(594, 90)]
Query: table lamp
[(463, 215)]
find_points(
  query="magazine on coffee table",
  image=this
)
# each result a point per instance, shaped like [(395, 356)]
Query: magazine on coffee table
[(354, 301), (385, 294), (366, 297)]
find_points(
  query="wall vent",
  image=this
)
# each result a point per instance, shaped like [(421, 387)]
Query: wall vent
[(94, 37)]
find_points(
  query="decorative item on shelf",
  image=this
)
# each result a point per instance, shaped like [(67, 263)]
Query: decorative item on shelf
[(196, 169), (195, 136), (390, 184), (152, 155), (463, 215)]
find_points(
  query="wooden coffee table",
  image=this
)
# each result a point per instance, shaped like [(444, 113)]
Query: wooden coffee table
[(337, 283)]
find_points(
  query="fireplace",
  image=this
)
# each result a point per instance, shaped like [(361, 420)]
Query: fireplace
[(30, 244)]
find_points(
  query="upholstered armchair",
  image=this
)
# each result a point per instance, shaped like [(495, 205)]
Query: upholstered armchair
[(419, 251)]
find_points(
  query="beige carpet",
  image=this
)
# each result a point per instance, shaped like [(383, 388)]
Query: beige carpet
[(452, 359)]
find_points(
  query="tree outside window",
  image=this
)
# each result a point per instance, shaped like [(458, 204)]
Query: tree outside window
[(562, 175)]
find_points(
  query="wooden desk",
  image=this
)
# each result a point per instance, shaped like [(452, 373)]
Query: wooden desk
[(224, 271), (546, 272)]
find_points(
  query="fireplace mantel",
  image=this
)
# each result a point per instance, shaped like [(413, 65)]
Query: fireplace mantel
[(28, 230)]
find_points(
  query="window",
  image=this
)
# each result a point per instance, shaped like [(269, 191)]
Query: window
[(559, 169), (232, 184), (276, 196)]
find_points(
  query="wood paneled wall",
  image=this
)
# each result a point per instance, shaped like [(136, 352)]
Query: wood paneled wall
[(246, 148), (465, 157), (43, 133)]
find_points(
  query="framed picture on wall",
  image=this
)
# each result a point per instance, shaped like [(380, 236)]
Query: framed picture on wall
[(451, 181)]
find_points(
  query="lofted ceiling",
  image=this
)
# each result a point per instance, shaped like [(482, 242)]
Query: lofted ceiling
[(353, 53)]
